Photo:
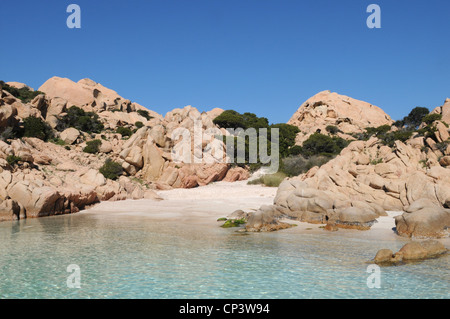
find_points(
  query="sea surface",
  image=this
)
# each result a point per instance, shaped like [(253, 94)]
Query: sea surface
[(117, 256)]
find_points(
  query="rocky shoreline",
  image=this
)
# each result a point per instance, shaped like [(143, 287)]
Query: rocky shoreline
[(59, 176), (370, 176)]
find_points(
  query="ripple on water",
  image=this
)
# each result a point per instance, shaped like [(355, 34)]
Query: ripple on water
[(141, 258)]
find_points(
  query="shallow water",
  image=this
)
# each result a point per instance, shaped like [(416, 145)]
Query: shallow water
[(138, 257)]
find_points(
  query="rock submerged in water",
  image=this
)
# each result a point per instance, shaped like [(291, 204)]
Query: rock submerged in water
[(413, 251), (266, 219)]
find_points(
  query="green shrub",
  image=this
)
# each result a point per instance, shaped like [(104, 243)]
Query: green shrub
[(320, 144), (295, 150), (377, 131), (296, 165), (428, 131), (67, 147), (36, 127), (401, 135), (139, 124), (270, 180), (9, 133), (111, 170), (124, 131), (442, 146), (332, 129), (376, 161), (430, 118), (145, 114), (23, 94), (84, 121), (57, 141), (13, 160), (92, 147)]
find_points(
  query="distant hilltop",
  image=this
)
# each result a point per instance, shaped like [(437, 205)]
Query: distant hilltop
[(328, 108)]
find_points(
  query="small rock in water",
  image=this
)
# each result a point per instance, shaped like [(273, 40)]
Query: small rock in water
[(412, 251)]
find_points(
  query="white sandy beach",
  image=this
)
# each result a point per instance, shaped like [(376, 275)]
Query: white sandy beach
[(204, 205)]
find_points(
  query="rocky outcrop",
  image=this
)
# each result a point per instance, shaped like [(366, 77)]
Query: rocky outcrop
[(413, 251), (45, 179), (114, 111), (368, 178), (8, 110), (328, 108), (424, 219), (445, 111), (67, 186)]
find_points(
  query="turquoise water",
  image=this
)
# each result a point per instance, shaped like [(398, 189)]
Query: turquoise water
[(136, 257)]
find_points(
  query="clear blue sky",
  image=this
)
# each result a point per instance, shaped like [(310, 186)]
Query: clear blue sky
[(260, 56)]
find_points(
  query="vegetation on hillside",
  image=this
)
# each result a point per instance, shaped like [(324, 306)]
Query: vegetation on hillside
[(83, 121), (111, 170), (36, 127), (24, 94), (92, 147), (145, 114)]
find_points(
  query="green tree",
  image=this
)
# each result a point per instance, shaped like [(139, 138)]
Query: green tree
[(414, 118), (287, 134), (230, 119)]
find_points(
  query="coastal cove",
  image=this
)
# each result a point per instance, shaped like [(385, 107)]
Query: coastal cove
[(175, 248)]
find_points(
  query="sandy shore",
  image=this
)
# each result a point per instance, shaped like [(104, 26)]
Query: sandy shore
[(204, 205), (201, 205)]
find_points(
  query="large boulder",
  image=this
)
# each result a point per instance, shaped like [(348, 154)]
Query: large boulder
[(423, 219), (446, 111), (70, 135), (354, 217), (79, 94), (8, 111), (267, 218)]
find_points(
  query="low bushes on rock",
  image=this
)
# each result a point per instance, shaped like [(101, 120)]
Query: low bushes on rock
[(24, 94), (124, 131), (92, 147), (111, 170), (83, 121), (296, 165), (145, 114), (13, 160), (322, 144), (36, 127), (271, 180)]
